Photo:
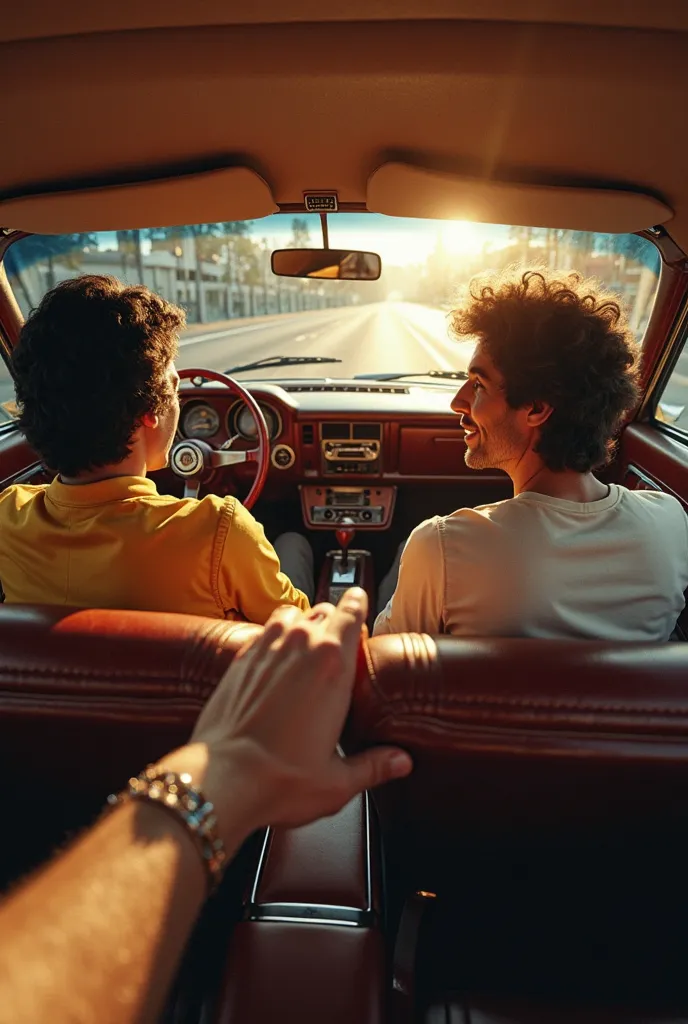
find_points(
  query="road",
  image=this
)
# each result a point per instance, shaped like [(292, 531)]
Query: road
[(386, 336)]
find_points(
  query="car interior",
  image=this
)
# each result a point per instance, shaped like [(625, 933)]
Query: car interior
[(532, 867)]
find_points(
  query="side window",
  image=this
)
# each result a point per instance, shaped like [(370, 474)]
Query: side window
[(672, 407), (8, 405)]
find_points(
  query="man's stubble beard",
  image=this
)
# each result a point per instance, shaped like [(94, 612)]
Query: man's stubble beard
[(495, 456)]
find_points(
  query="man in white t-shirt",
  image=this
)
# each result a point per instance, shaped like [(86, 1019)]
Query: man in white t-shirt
[(553, 374)]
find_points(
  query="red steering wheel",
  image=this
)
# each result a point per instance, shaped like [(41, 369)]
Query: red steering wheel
[(192, 459)]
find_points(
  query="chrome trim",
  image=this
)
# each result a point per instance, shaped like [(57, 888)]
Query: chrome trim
[(310, 913), (283, 447), (26, 475), (188, 408), (261, 865), (232, 415), (632, 468), (368, 867)]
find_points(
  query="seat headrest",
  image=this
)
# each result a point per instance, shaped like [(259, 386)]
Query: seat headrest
[(527, 730), (79, 653), (89, 696)]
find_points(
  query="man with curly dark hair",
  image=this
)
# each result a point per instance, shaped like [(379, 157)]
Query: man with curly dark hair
[(552, 377), (97, 391)]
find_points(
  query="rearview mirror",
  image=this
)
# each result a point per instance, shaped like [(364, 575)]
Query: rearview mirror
[(327, 264)]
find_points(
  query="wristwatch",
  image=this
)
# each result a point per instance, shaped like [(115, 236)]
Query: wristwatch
[(175, 793)]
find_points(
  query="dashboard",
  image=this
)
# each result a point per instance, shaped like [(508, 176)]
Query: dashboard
[(347, 445)]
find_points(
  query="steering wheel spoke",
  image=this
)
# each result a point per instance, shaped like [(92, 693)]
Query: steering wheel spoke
[(228, 458), (192, 487)]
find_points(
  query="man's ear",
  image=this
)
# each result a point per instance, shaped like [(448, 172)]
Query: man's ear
[(538, 413), (150, 419)]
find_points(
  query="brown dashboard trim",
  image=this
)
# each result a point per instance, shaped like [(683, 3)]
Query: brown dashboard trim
[(412, 443)]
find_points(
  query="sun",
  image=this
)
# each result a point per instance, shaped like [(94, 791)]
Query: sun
[(461, 237)]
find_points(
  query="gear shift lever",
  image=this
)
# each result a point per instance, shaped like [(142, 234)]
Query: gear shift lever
[(345, 534)]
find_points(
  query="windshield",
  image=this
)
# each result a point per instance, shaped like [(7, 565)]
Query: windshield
[(239, 313)]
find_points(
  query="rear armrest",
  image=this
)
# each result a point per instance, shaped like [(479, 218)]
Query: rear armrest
[(310, 947)]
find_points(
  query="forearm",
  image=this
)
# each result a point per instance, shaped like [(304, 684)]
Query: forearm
[(98, 935)]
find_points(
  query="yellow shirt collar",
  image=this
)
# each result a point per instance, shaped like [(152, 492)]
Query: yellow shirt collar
[(116, 488)]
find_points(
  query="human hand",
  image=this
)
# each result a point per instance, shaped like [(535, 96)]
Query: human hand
[(263, 750)]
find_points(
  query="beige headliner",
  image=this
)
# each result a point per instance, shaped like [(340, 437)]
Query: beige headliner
[(322, 105)]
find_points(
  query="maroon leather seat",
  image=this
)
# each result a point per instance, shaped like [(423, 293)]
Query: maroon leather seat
[(511, 732), (92, 695), (88, 697), (548, 811)]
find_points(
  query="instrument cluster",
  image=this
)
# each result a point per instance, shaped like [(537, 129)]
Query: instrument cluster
[(199, 420)]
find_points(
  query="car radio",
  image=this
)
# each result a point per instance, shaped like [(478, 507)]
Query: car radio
[(351, 502), (351, 456)]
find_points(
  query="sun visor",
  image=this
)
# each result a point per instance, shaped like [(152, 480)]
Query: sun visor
[(228, 194), (405, 190)]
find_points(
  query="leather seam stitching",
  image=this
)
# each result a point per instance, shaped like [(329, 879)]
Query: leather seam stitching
[(87, 673), (415, 707)]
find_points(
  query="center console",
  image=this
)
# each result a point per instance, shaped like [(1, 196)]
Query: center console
[(324, 507)]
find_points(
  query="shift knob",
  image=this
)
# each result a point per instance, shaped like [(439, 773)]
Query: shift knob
[(345, 534)]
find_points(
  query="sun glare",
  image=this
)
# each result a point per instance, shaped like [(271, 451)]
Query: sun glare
[(461, 236)]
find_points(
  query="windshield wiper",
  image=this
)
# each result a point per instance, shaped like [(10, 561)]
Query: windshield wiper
[(442, 374), (269, 361)]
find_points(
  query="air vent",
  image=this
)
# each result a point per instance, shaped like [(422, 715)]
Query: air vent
[(307, 433), (367, 431), (361, 389), (335, 431)]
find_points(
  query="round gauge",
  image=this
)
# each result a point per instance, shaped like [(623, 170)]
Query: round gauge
[(245, 425), (199, 420)]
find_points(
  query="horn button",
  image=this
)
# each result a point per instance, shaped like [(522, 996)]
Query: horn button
[(189, 458)]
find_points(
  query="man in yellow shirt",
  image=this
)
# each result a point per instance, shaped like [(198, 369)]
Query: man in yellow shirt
[(97, 390)]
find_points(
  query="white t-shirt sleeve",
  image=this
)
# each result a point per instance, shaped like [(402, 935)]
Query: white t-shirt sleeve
[(418, 602)]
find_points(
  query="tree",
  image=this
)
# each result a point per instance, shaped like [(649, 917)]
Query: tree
[(34, 249), (129, 243), (300, 235), (210, 243), (633, 247)]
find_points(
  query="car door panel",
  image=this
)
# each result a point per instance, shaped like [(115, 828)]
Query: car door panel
[(652, 460), (19, 463)]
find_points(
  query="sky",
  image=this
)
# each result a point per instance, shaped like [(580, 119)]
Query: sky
[(400, 241)]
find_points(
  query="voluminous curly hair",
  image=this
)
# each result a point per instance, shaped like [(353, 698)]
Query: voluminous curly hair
[(562, 340), (91, 360)]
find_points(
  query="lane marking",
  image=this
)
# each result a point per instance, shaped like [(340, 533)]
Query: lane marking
[(197, 338), (265, 325)]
